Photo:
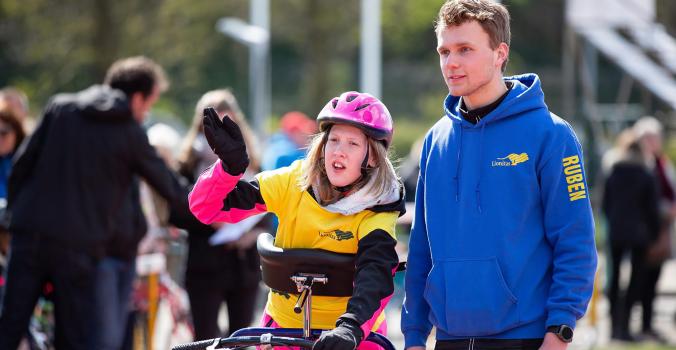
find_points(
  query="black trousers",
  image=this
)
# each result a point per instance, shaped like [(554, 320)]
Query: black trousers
[(622, 303), (34, 261), (649, 292), (489, 344), (207, 293)]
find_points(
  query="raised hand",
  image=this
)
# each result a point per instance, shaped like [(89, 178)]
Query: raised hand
[(225, 139)]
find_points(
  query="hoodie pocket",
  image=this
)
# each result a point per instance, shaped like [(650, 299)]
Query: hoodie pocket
[(470, 298)]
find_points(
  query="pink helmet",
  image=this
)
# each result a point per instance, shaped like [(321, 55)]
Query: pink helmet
[(361, 110)]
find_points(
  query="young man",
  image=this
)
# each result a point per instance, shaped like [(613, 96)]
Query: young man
[(502, 253), (69, 192)]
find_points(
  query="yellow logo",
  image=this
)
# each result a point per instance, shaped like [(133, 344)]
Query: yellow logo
[(574, 178), (511, 160), (337, 235)]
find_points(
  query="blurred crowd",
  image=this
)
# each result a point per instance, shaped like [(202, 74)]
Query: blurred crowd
[(639, 203), (158, 263), (175, 266)]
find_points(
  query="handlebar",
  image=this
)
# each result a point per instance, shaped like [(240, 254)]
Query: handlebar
[(263, 339)]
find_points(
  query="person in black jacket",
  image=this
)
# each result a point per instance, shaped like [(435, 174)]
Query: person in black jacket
[(69, 185), (630, 205), (649, 131), (218, 272)]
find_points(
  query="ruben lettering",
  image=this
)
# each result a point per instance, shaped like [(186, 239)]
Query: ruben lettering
[(574, 178)]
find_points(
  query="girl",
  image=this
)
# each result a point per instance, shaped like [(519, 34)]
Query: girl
[(344, 197)]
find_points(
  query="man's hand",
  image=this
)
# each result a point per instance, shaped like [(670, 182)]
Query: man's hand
[(552, 342), (226, 140), (344, 337)]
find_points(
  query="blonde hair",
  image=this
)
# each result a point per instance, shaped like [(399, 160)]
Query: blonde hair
[(222, 100), (647, 125), (314, 172)]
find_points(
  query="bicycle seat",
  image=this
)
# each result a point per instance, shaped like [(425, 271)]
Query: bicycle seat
[(279, 265)]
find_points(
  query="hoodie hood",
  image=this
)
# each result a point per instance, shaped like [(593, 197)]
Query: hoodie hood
[(104, 104), (526, 95)]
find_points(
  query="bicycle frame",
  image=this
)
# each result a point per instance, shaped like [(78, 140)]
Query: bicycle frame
[(273, 336), (373, 337)]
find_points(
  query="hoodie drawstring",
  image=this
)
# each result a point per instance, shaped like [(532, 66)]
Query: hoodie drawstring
[(458, 165), (481, 162)]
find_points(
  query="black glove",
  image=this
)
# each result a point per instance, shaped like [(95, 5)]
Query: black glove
[(226, 140), (346, 336)]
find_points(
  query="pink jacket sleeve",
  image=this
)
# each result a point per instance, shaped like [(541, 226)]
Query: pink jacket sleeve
[(221, 197)]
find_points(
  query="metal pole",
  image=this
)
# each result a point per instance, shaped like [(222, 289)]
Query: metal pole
[(370, 58), (307, 314), (259, 68)]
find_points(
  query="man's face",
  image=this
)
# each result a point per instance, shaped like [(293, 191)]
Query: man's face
[(140, 105), (468, 64)]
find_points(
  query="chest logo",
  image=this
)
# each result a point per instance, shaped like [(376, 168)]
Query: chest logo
[(337, 235), (511, 160)]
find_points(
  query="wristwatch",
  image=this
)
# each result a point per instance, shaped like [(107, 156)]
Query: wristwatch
[(564, 332)]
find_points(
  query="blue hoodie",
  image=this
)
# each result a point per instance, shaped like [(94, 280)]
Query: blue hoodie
[(502, 243)]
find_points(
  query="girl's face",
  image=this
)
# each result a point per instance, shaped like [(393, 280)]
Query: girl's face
[(344, 153), (7, 139)]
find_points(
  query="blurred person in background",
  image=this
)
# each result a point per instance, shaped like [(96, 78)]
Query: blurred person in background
[(649, 132), (156, 210), (161, 253), (219, 271), (410, 168), (69, 189), (501, 254), (17, 101), (408, 171), (11, 136), (289, 144), (137, 219), (630, 205)]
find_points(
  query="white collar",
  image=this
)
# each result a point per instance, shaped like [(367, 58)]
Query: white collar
[(364, 199)]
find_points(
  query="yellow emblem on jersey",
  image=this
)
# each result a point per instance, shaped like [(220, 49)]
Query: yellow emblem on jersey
[(511, 160)]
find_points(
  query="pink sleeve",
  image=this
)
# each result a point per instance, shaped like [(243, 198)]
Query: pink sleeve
[(208, 202), (367, 326)]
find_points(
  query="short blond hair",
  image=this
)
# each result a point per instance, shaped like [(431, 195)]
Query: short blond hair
[(647, 125), (314, 171)]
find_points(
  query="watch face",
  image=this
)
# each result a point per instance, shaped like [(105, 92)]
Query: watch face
[(567, 333)]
